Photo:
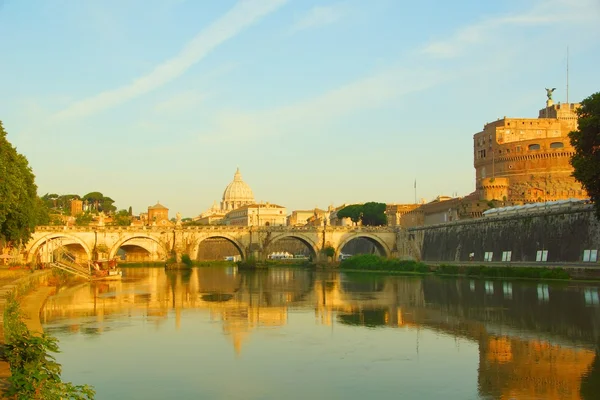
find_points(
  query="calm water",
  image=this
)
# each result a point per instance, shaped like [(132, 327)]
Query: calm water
[(217, 333)]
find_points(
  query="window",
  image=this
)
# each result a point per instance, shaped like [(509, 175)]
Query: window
[(556, 145), (541, 256), (534, 146), (488, 256)]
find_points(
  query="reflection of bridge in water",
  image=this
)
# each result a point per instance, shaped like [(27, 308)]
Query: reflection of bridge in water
[(531, 342)]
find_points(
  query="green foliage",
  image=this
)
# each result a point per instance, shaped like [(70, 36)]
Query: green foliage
[(482, 271), (59, 204), (354, 212), (83, 219), (586, 141), (370, 214), (35, 374), (373, 262), (185, 258), (250, 262), (100, 203), (18, 194), (329, 251), (42, 213), (373, 214), (122, 218)]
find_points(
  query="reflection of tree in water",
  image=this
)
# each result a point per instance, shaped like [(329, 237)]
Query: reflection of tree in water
[(590, 384), (217, 297), (362, 286), (369, 318)]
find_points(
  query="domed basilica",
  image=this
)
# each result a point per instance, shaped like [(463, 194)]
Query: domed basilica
[(236, 195)]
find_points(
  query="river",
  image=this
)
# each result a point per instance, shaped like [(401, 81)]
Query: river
[(220, 333)]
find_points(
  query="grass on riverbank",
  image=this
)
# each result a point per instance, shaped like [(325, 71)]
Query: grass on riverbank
[(35, 374), (371, 262)]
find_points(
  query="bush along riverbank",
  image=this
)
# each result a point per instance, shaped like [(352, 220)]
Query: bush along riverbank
[(35, 374), (371, 262)]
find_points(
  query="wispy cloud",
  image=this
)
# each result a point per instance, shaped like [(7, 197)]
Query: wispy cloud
[(545, 13), (314, 113), (318, 16), (242, 15), (179, 103)]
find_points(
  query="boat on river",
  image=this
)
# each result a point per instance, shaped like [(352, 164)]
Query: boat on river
[(106, 270)]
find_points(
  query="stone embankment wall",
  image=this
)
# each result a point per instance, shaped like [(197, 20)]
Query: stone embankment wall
[(564, 234)]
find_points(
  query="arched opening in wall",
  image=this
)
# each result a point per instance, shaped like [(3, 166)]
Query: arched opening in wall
[(218, 248), (290, 248), (46, 252), (362, 245), (140, 250), (133, 253)]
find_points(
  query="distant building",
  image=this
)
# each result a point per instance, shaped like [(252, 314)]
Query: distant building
[(394, 212), (76, 207), (307, 217), (447, 209), (256, 215), (236, 194), (158, 215), (528, 159)]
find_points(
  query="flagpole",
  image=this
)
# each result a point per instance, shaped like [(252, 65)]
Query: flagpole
[(415, 191)]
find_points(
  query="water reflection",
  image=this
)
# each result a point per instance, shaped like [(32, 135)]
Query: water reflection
[(534, 340)]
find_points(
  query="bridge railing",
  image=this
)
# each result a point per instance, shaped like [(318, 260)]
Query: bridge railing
[(217, 228)]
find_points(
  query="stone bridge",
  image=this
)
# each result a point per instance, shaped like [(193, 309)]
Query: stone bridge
[(88, 243)]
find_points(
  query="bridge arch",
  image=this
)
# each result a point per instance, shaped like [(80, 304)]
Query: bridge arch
[(311, 245), (33, 249), (379, 244), (196, 244), (123, 241)]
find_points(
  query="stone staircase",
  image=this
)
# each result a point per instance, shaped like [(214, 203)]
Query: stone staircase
[(67, 262)]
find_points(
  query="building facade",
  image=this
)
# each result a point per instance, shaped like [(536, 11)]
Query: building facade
[(158, 215), (528, 159), (76, 207), (257, 215), (394, 212)]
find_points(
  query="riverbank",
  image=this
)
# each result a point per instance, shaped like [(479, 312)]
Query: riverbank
[(22, 281), (373, 263)]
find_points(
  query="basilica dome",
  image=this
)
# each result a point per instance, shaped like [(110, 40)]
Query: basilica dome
[(237, 193)]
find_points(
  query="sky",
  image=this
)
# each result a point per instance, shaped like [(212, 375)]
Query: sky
[(317, 102)]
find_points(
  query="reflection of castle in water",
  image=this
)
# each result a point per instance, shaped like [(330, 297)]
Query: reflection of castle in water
[(534, 341)]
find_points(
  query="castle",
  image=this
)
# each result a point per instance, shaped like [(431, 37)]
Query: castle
[(528, 159)]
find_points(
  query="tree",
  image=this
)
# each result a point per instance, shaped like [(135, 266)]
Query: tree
[(374, 214), (18, 195), (83, 219), (122, 218), (586, 141), (370, 214), (353, 211)]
